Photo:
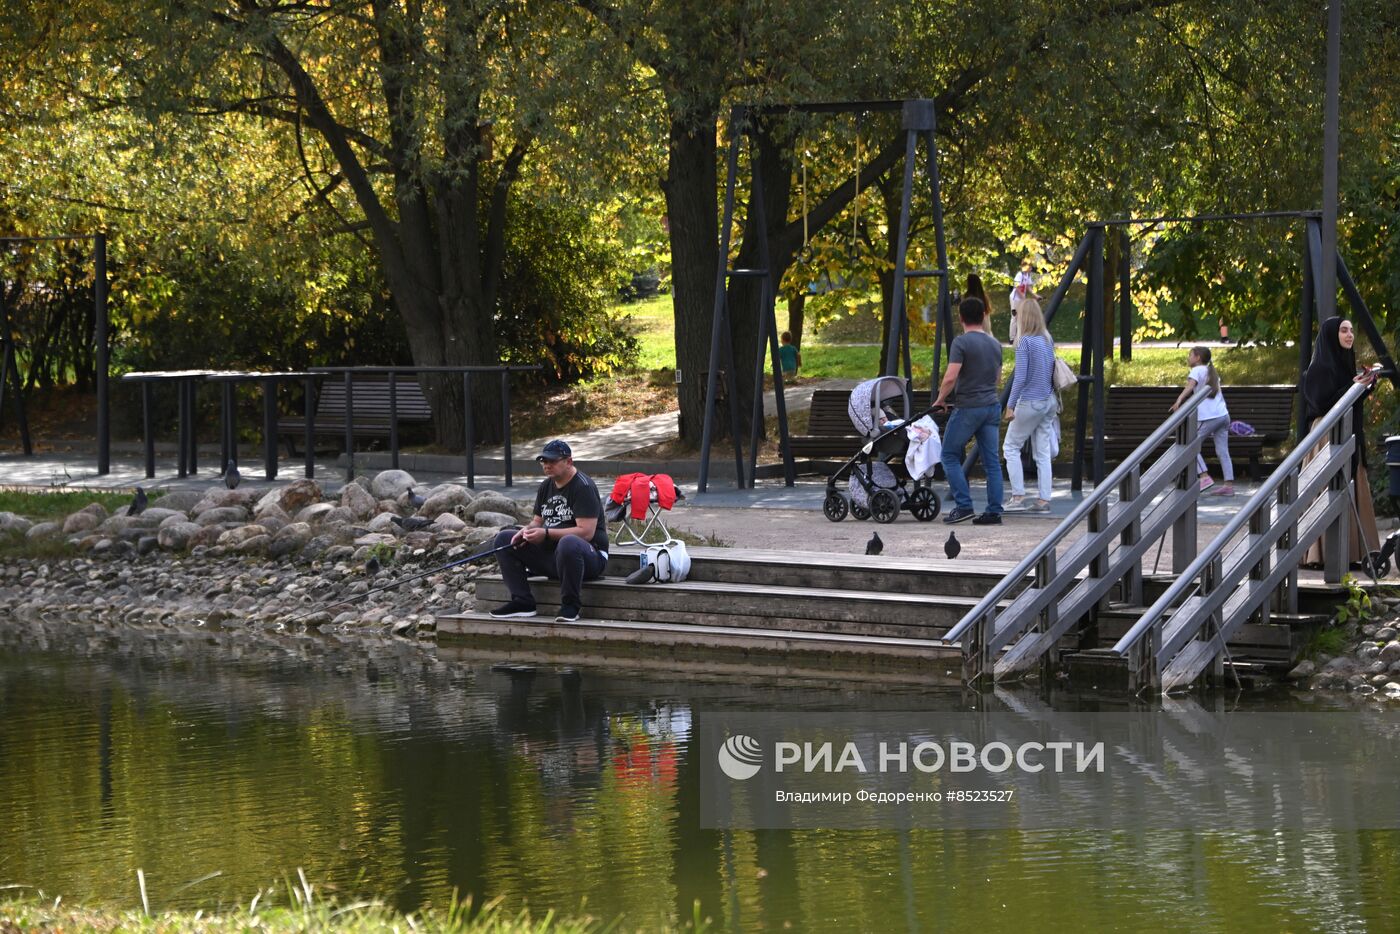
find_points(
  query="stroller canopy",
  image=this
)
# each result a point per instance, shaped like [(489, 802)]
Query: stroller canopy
[(876, 400)]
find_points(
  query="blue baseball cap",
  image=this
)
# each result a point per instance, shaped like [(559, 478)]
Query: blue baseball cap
[(554, 450)]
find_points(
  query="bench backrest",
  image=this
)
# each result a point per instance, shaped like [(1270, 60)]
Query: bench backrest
[(372, 398), (1136, 411), (829, 415)]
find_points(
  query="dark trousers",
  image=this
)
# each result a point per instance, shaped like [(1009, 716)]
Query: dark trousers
[(570, 561)]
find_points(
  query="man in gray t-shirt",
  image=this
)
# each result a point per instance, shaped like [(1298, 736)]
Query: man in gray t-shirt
[(974, 371)]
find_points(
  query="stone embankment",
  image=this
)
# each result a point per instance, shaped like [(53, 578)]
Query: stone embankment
[(1370, 661), (258, 558)]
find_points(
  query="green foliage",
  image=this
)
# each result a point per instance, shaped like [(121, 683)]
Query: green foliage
[(1329, 642), (1357, 606), (556, 294), (42, 506)]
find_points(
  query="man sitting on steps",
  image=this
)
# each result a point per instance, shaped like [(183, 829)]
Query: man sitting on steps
[(566, 540)]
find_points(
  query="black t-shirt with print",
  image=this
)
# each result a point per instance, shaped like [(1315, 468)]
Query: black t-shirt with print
[(577, 499)]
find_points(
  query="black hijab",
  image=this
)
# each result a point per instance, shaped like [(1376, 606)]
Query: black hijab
[(1328, 377)]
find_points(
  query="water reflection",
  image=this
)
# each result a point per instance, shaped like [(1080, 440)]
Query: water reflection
[(387, 769)]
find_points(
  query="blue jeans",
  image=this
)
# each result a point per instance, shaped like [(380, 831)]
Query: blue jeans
[(964, 425)]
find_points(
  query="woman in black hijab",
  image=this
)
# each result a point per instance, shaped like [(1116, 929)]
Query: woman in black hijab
[(1330, 374)]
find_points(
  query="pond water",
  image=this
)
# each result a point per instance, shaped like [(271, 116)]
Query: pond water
[(220, 763)]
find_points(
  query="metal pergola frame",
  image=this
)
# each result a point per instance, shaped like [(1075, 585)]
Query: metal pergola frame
[(919, 121), (10, 364), (1090, 256)]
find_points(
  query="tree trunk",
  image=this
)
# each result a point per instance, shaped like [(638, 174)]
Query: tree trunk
[(797, 312), (689, 187)]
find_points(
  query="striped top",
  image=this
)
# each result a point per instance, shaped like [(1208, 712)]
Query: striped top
[(1035, 365)]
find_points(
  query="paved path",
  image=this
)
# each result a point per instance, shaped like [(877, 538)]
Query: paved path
[(600, 444)]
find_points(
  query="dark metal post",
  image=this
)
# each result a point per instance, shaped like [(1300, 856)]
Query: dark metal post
[(943, 331), (309, 429), (349, 427), (1096, 285), (148, 439), (897, 309), (1331, 107), (505, 423), (188, 387), (230, 427), (99, 300), (269, 386), (183, 403), (469, 427), (1086, 359), (719, 323), (1362, 316), (1307, 307), (768, 327), (1125, 296), (393, 421)]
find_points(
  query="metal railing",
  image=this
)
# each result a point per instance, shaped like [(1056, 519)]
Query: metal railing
[(1057, 598), (1309, 495)]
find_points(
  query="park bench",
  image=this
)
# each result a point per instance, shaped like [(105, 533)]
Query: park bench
[(1134, 412), (371, 408), (830, 434)]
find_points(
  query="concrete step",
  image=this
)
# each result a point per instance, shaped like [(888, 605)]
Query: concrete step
[(648, 635), (747, 606), (813, 570)]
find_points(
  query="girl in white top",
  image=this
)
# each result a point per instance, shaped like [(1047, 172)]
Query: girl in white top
[(1212, 418)]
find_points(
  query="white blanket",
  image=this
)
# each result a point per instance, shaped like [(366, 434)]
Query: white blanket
[(925, 448)]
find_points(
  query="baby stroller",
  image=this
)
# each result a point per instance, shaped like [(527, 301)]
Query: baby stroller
[(877, 482)]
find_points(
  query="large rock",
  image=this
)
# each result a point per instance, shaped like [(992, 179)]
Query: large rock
[(43, 530), (389, 484), (159, 514), (254, 545), (358, 500), (316, 512), (118, 525), (176, 537), (373, 539), (490, 501), (383, 524), (299, 532), (176, 519), (10, 522), (235, 537), (181, 500), (96, 509), (221, 498), (265, 510), (447, 522), (293, 497), (486, 519), (1391, 652), (207, 535), (82, 521), (444, 499), (273, 524), (222, 514)]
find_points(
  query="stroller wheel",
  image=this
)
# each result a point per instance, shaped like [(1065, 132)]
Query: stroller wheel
[(884, 506), (836, 505), (924, 504), (859, 512)]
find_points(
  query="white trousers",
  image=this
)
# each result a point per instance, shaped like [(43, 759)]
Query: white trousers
[(1034, 422)]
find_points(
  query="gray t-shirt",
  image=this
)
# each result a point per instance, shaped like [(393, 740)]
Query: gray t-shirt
[(980, 356)]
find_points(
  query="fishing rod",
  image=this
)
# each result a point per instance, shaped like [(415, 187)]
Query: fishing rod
[(467, 560)]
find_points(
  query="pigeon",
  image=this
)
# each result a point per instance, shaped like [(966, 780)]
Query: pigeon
[(415, 500), (952, 546), (138, 503), (372, 565), (411, 523), (232, 476), (874, 546)]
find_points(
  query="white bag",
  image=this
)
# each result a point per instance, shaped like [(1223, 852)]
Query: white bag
[(671, 561), (1062, 377)]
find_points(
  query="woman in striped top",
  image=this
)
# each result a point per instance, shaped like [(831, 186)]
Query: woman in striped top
[(1032, 407)]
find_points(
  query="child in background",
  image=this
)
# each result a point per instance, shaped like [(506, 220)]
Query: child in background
[(789, 356), (1212, 418)]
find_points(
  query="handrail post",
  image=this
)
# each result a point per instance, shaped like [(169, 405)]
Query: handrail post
[(1144, 671), (1129, 491), (1045, 571), (1258, 528), (505, 424), (1336, 540), (1184, 529), (1210, 583), (977, 658), (148, 441), (309, 426), (349, 427), (1286, 597)]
